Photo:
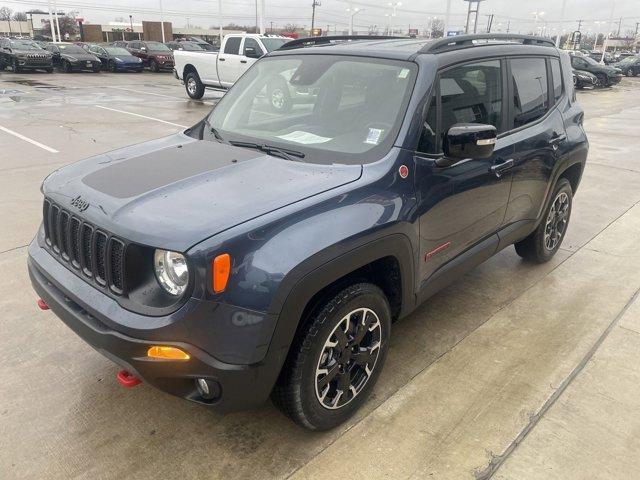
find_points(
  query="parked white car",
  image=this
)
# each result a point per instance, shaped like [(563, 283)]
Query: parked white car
[(199, 70)]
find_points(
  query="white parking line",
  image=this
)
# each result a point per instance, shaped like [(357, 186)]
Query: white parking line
[(30, 140), (156, 94), (143, 92), (142, 116)]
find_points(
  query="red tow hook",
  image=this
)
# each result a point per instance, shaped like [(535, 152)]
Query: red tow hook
[(42, 305), (127, 379)]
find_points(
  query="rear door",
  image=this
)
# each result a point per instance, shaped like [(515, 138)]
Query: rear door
[(461, 207), (229, 66), (537, 131)]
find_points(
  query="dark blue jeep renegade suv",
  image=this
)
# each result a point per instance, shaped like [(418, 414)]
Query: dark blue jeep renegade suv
[(340, 183)]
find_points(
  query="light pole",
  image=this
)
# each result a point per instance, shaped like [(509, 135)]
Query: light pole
[(354, 12), (162, 22), (55, 7), (537, 16), (564, 4), (315, 4)]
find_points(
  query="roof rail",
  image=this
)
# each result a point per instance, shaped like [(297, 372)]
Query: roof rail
[(313, 41), (463, 41)]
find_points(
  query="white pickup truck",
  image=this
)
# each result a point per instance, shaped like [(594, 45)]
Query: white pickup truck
[(199, 70)]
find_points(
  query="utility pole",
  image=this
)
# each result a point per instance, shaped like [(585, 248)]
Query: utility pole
[(315, 4), (508, 25), (447, 16), (564, 4), (53, 28), (579, 24), (55, 7), (619, 25), (220, 21), (489, 22), (161, 22)]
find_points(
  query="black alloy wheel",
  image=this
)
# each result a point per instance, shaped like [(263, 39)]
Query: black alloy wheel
[(557, 220), (336, 357), (348, 358)]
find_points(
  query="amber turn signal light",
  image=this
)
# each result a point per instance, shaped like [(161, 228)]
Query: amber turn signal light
[(221, 268), (167, 353)]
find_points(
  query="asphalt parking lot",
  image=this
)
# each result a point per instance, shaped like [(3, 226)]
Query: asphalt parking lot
[(534, 369)]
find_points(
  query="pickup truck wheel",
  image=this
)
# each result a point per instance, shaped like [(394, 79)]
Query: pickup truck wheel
[(194, 86), (544, 242), (334, 364), (279, 97)]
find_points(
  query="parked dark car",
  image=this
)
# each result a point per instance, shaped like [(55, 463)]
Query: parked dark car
[(202, 43), (24, 55), (188, 46), (116, 59), (260, 253), (582, 79), (597, 56), (629, 66), (70, 57), (155, 55), (606, 75)]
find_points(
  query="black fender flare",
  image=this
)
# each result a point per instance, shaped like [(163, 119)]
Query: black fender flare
[(310, 277)]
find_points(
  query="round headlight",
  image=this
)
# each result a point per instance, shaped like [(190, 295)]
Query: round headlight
[(172, 271)]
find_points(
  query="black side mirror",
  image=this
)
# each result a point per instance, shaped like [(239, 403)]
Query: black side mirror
[(251, 52), (470, 140)]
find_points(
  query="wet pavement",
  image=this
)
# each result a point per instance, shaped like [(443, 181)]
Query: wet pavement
[(493, 376)]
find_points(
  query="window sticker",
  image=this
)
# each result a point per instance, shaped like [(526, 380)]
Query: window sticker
[(373, 137), (404, 73), (304, 137)]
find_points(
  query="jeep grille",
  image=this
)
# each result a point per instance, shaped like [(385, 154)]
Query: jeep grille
[(94, 253)]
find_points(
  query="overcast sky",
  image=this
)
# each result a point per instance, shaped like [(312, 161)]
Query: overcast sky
[(333, 13)]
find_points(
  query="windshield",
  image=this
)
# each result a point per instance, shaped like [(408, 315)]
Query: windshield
[(117, 51), (591, 61), (628, 60), (71, 49), (157, 46), (333, 109), (25, 45), (272, 44)]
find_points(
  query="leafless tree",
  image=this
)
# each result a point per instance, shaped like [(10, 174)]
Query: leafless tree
[(437, 28)]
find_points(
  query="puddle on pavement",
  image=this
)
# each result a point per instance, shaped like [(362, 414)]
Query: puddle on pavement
[(36, 84)]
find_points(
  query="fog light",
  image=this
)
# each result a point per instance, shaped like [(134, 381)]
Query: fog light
[(167, 353), (208, 389)]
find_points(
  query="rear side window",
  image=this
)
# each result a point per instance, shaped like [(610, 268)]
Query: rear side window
[(470, 93), (232, 46), (530, 94), (556, 73)]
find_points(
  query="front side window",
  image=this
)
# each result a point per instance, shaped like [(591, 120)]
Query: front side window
[(249, 44), (232, 47), (556, 72), (333, 109), (470, 93), (530, 96)]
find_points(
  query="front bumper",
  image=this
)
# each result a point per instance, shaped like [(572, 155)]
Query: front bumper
[(34, 64), (83, 65), (241, 386)]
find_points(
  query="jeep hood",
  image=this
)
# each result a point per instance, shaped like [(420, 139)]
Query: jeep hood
[(177, 191)]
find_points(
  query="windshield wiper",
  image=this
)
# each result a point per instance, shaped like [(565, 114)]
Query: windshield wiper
[(285, 153)]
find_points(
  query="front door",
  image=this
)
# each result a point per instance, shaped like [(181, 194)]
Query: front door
[(461, 205), (229, 61)]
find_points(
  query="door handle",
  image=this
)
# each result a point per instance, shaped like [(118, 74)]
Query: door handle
[(499, 168), (557, 139), (243, 61), (221, 59)]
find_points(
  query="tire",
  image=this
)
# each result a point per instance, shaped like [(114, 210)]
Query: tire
[(194, 86), (603, 81), (541, 245), (153, 66), (112, 67), (633, 72), (49, 70), (97, 69), (279, 96), (66, 66), (14, 66), (304, 392)]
